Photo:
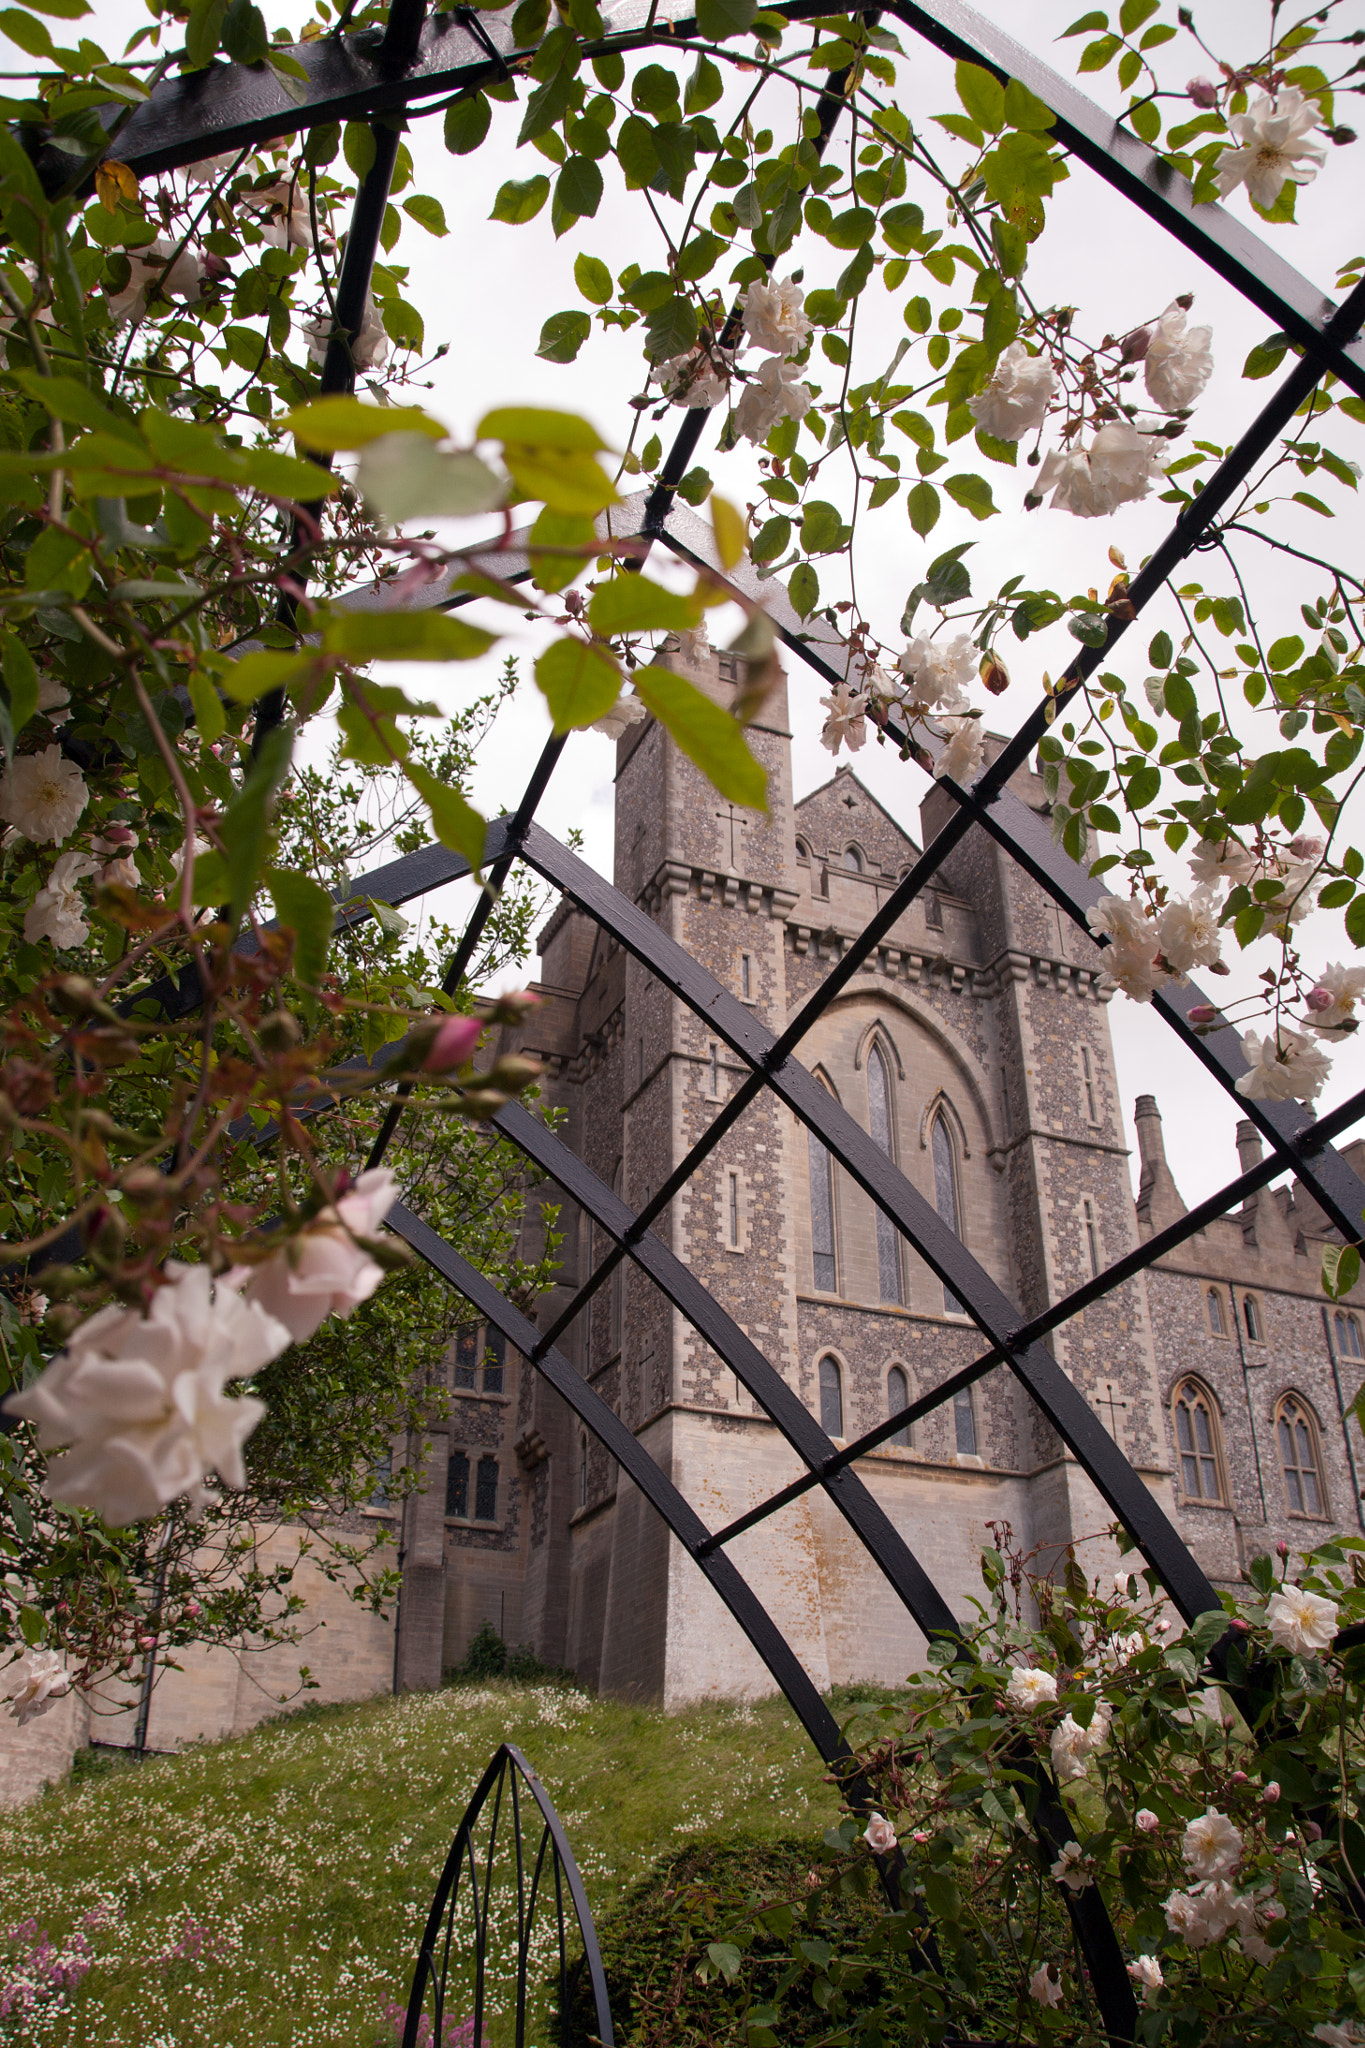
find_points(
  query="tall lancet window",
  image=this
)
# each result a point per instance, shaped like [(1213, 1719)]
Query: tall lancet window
[(945, 1193), (879, 1123), (825, 1274)]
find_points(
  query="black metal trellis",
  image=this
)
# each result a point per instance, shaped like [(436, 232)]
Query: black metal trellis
[(543, 1872), (380, 75)]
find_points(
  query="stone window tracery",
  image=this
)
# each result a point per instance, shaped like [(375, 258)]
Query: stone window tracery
[(898, 1397), (486, 1491), (1251, 1316), (1300, 1457), (964, 1423), (881, 1124), (853, 860), (944, 1154), (457, 1485), (1199, 1443), (1348, 1336), (1215, 1306)]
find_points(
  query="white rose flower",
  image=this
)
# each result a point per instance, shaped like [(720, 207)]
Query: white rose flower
[(628, 710), (937, 673), (1146, 1971), (1030, 1687), (775, 316), (1188, 932), (1123, 1581), (775, 393), (694, 645), (288, 223), (1300, 1621), (1135, 970), (1044, 1988), (1073, 1746), (323, 1271), (1343, 987), (879, 1835), (1211, 1845), (1178, 362), (54, 700), (57, 912), (697, 380), (1339, 2033), (1276, 146), (34, 1683), (1118, 467), (181, 281), (1284, 1068), (43, 795), (370, 348), (965, 751), (1215, 861), (845, 722), (1074, 1868), (1016, 400), (1298, 896), (1124, 919), (1183, 1917), (138, 1401)]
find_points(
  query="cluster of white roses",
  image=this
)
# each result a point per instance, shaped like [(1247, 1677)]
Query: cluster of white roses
[(775, 321), (1212, 1908), (1149, 949), (136, 1406), (33, 1683), (931, 680)]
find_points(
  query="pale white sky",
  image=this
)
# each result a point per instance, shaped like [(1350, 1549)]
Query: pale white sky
[(488, 288)]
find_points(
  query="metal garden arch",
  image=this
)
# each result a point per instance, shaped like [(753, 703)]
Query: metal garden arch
[(376, 73)]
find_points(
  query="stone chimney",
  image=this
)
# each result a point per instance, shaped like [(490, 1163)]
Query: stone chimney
[(1158, 1201), (1248, 1145)]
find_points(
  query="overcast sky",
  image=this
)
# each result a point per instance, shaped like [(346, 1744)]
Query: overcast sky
[(488, 288)]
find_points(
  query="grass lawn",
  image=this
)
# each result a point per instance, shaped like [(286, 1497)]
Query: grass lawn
[(271, 1890)]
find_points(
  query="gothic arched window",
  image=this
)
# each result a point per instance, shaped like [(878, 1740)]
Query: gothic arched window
[(964, 1423), (824, 1268), (457, 1485), (1197, 1441), (831, 1397), (853, 860), (802, 854), (1348, 1336), (1251, 1316), (1300, 1459), (1216, 1323), (898, 1397), (583, 1471), (881, 1125), (945, 1192)]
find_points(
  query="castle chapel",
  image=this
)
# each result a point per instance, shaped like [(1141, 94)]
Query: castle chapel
[(974, 1047)]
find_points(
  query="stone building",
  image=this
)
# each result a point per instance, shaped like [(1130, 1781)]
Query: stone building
[(974, 1047)]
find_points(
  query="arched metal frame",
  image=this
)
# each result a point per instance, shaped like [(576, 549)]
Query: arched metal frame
[(540, 1868), (379, 73)]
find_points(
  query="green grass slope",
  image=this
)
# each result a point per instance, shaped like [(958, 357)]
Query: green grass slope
[(269, 1892)]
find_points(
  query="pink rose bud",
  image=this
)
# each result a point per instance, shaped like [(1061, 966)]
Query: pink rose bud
[(1203, 92), (146, 1642), (1306, 849), (1239, 1625), (514, 1006), (1201, 1013), (1272, 1792), (454, 1041), (1136, 345), (1312, 1830), (1282, 1549), (1148, 1821), (1319, 999), (920, 1835), (1238, 1778), (193, 1609)]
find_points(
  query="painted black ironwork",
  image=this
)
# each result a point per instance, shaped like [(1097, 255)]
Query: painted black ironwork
[(458, 1963), (381, 75)]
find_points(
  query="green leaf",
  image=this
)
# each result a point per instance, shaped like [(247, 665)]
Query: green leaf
[(578, 188), (973, 493), (358, 147), (1340, 1269), (467, 124), (672, 329), (982, 95), (1145, 120), (427, 212), (1283, 653), (822, 530), (1024, 109), (245, 36), (309, 911), (717, 19), (65, 399), (579, 682), (394, 635), (803, 588), (771, 540), (923, 504), (633, 604), (563, 335), (21, 690), (1095, 56), (592, 278), (518, 202), (531, 426), (708, 736), (209, 717), (405, 476), (245, 829), (332, 423), (268, 669), (30, 35), (457, 824), (571, 536)]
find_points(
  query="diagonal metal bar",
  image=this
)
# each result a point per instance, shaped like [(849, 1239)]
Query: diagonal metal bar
[(753, 1618), (879, 1177)]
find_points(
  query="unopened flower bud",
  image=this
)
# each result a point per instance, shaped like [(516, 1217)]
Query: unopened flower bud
[(146, 1642), (515, 1073), (994, 675), (1147, 1821), (1136, 345), (278, 1031), (1271, 1792), (1341, 134), (1237, 1626), (1201, 1013), (1319, 999), (193, 1609), (75, 994), (573, 602), (1238, 1778), (452, 1043), (1203, 92), (1282, 1549), (483, 1102), (514, 1006), (1312, 1830)]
